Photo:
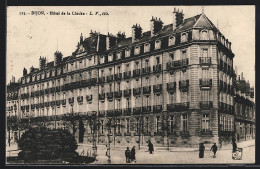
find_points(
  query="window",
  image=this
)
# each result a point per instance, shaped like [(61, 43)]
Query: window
[(184, 122), (118, 69), (157, 124), (183, 54), (147, 125), (231, 124), (136, 65), (127, 68), (147, 63), (184, 37), (102, 59), (204, 52), (171, 56), (102, 73), (147, 47), (127, 53), (110, 87), (205, 122), (127, 125), (157, 60), (137, 50), (110, 57), (118, 126), (157, 44), (137, 125), (204, 35), (118, 55), (171, 124), (171, 40), (127, 103)]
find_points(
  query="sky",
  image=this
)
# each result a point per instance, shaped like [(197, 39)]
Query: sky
[(30, 36)]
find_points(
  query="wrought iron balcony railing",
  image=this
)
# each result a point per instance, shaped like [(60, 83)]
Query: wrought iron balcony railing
[(205, 83), (184, 85), (205, 61), (206, 105), (171, 87), (127, 75), (118, 112), (63, 102), (110, 95), (146, 109), (136, 72), (127, 111), (110, 78), (157, 88), (71, 100), (52, 90), (80, 99), (146, 70), (178, 106), (157, 68), (47, 91), (58, 103), (146, 90), (89, 98), (137, 91), (137, 110), (127, 92), (118, 76), (57, 88), (102, 96), (118, 94), (102, 80), (157, 108), (47, 104)]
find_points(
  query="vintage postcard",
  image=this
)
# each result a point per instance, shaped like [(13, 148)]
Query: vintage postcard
[(93, 85)]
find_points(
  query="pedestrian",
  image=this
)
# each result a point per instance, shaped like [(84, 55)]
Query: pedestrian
[(234, 144), (127, 155), (150, 145), (133, 154), (201, 150), (214, 148)]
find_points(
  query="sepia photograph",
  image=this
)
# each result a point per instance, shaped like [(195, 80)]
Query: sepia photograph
[(129, 85)]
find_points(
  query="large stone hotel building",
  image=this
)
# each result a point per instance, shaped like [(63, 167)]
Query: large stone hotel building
[(173, 84)]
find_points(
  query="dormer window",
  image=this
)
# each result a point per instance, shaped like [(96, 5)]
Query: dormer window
[(118, 55), (58, 71), (184, 37), (171, 40), (33, 79), (127, 53), (146, 47), (204, 35), (137, 50), (43, 76), (157, 44), (48, 74), (110, 57)]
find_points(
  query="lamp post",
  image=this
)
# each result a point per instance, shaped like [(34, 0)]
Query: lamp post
[(94, 130)]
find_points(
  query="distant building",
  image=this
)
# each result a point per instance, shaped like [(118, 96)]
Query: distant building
[(173, 84)]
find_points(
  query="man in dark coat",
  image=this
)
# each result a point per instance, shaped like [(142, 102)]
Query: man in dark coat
[(127, 155), (234, 144), (201, 150), (133, 154), (214, 148), (150, 145)]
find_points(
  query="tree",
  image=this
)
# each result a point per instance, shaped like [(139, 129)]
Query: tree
[(113, 124), (72, 119), (39, 143)]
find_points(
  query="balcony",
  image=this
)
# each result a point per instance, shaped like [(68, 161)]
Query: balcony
[(221, 64), (157, 88), (127, 75), (205, 84), (171, 87), (146, 109), (223, 107), (102, 96), (118, 112), (71, 100), (110, 96), (22, 108), (157, 108), (137, 110), (225, 67), (32, 94), (27, 107), (224, 86), (58, 89), (102, 80), (58, 103), (205, 61), (110, 113), (32, 106), (178, 107), (41, 105), (177, 64), (146, 90), (110, 78), (146, 70), (47, 104), (127, 93), (41, 92), (206, 105), (63, 102), (89, 98), (25, 96), (37, 106), (184, 85), (88, 82), (37, 93), (80, 99), (220, 86), (75, 85), (118, 76), (52, 90), (230, 109), (52, 103), (157, 68), (137, 91), (137, 72), (47, 91), (118, 94), (102, 113), (127, 111)]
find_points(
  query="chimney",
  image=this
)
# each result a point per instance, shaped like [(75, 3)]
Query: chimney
[(156, 25), (32, 69), (42, 62), (57, 58), (136, 32), (177, 18), (120, 36), (242, 78), (110, 41), (81, 38), (13, 79), (24, 71)]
